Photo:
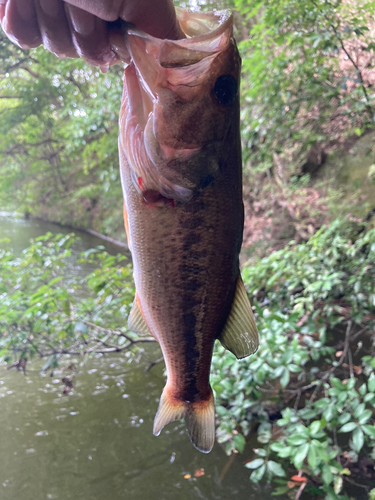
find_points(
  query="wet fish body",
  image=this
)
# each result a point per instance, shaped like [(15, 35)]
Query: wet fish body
[(180, 158)]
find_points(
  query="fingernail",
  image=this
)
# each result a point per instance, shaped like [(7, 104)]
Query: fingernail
[(108, 57), (83, 22), (50, 7)]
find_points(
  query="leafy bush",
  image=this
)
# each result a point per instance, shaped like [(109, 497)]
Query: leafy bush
[(310, 390), (306, 78), (71, 174), (47, 309)]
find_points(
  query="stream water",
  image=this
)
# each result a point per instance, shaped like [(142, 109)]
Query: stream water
[(97, 442)]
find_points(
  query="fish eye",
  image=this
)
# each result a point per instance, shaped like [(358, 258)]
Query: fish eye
[(225, 89)]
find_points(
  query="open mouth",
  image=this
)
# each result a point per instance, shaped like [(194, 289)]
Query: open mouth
[(180, 67)]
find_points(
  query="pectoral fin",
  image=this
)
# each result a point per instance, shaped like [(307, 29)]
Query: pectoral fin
[(136, 321), (240, 334)]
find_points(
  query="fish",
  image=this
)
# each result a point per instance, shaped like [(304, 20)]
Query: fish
[(181, 174)]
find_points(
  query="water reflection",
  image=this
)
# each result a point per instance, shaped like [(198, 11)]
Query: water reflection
[(96, 442)]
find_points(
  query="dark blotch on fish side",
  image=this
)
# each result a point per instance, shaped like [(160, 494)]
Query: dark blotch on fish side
[(193, 223), (191, 356), (192, 285)]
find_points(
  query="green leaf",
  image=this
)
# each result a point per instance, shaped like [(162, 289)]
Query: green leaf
[(314, 427), (311, 457), (257, 474), (281, 449), (358, 439), (369, 397), (330, 412), (296, 440), (369, 430), (275, 468), (365, 416), (254, 464), (280, 490), (285, 377), (261, 452), (300, 455), (327, 475), (350, 384), (344, 418), (239, 442), (349, 427), (336, 382)]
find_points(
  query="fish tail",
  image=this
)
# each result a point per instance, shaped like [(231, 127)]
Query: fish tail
[(199, 418), (200, 423), (170, 409)]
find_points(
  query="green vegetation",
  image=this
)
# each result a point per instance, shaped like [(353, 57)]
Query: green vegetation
[(58, 139), (306, 77), (47, 310), (309, 392)]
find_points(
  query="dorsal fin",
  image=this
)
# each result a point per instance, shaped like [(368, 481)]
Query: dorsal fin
[(240, 334), (136, 322)]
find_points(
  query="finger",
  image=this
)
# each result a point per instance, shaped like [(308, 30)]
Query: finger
[(90, 37), (156, 17), (54, 27), (20, 23), (109, 10), (2, 10)]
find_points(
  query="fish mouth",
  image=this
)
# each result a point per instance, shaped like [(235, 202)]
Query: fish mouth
[(184, 62), (163, 75)]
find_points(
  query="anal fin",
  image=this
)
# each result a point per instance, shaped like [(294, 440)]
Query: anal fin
[(136, 321), (240, 334)]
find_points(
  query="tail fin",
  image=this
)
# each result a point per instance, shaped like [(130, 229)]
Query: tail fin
[(199, 419)]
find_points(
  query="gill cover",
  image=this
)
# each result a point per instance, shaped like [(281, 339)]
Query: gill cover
[(177, 103)]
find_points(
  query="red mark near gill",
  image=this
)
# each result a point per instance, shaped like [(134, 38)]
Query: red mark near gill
[(155, 199), (141, 183)]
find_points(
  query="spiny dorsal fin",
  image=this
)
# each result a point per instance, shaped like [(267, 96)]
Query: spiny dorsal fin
[(240, 334), (136, 321)]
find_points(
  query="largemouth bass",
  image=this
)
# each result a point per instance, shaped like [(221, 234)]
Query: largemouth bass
[(181, 171)]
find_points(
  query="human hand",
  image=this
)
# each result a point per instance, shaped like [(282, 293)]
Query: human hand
[(85, 28)]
